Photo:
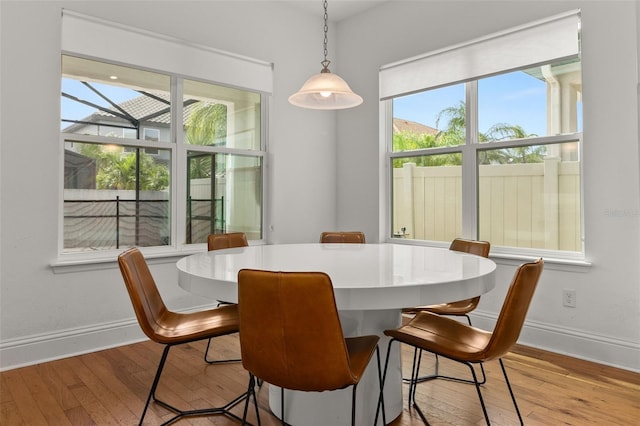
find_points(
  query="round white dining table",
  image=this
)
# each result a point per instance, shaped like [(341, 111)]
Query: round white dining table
[(372, 283)]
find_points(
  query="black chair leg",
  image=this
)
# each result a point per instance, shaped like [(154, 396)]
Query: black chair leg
[(251, 392), (382, 381), (156, 379), (381, 397), (217, 361), (415, 369), (353, 405), (513, 397), (206, 351), (224, 410), (414, 380), (417, 356), (475, 379)]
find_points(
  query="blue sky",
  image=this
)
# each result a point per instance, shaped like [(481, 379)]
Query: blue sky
[(76, 111), (514, 98)]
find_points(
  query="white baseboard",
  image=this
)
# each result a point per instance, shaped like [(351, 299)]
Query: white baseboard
[(37, 349), (571, 342)]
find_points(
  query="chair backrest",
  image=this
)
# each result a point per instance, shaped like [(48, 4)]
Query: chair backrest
[(514, 309), (290, 332), (143, 292), (480, 248), (343, 237), (228, 240)]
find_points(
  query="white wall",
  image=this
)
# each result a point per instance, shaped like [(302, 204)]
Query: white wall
[(45, 315), (604, 325)]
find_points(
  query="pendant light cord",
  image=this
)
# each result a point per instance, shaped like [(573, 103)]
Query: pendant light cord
[(326, 62)]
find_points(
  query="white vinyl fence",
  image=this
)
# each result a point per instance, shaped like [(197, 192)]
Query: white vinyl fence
[(520, 205)]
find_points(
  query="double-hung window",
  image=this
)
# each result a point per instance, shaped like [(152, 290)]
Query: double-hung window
[(483, 140), (163, 142)]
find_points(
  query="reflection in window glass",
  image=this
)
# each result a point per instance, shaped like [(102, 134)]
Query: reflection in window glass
[(539, 101), (221, 116), (530, 197), (427, 197), (429, 119), (110, 100), (114, 197), (224, 194)]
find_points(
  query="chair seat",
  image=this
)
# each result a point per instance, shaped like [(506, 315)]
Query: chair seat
[(361, 349), (175, 327), (458, 308), (444, 336)]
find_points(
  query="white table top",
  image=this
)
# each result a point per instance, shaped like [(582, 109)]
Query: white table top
[(364, 276)]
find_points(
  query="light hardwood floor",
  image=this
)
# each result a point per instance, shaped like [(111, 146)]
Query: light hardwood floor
[(110, 388)]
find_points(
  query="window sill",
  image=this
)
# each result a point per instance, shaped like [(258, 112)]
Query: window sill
[(555, 260), (558, 264), (69, 263)]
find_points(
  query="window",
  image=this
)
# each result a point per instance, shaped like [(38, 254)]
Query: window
[(224, 190), (152, 158), (491, 153)]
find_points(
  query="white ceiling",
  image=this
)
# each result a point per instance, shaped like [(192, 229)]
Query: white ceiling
[(337, 9)]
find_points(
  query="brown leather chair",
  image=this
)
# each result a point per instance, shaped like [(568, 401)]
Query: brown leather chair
[(171, 328), (469, 345), (219, 242), (228, 240), (460, 308), (342, 237), (283, 343)]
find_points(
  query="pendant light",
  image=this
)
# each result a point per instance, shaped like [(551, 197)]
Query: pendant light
[(325, 90)]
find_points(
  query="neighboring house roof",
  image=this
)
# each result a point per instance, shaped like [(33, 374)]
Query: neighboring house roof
[(140, 108), (402, 125), (143, 106)]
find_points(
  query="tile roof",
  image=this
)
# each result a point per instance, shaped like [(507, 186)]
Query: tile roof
[(402, 125)]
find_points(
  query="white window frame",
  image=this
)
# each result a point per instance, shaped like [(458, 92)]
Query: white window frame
[(83, 36), (547, 40)]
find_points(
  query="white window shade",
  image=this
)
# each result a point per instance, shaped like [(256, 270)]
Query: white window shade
[(93, 37), (538, 42)]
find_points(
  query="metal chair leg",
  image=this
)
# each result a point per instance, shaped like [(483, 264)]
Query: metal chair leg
[(382, 381), (353, 405), (484, 408), (206, 351), (381, 397), (251, 391), (414, 380), (417, 353), (513, 397), (224, 410), (217, 361)]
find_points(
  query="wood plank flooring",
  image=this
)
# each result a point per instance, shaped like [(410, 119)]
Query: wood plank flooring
[(110, 388)]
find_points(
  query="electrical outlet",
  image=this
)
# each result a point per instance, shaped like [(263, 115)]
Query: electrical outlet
[(569, 298)]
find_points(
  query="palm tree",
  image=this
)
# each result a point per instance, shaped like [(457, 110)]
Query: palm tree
[(117, 169), (454, 134)]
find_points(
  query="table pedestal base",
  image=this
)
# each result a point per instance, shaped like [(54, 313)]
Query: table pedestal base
[(334, 407)]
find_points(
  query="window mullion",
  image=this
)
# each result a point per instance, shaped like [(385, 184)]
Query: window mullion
[(469, 163), (179, 202)]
